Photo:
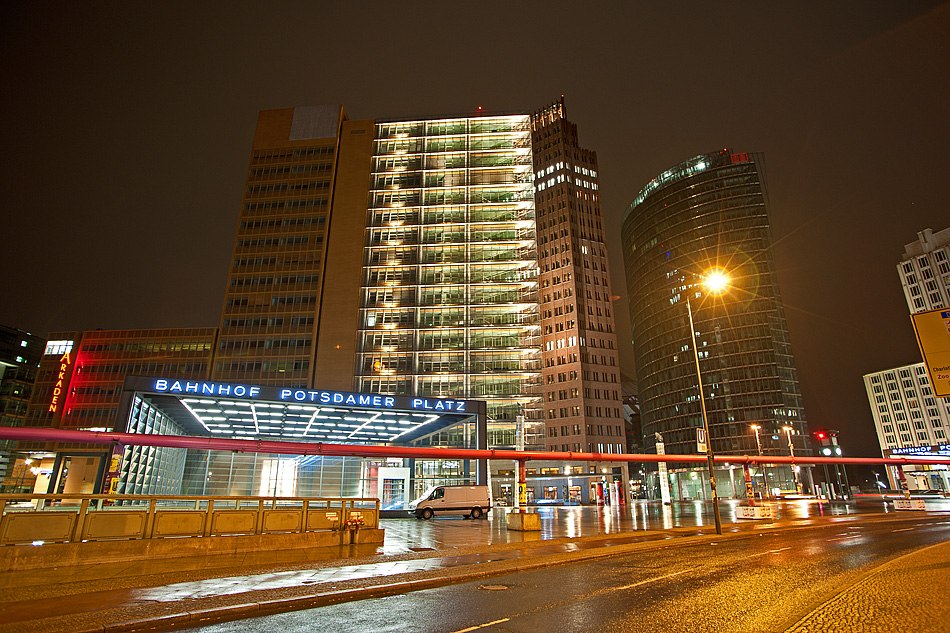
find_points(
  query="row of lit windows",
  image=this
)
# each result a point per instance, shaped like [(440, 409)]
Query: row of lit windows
[(283, 205), (280, 188), (287, 153), (268, 322), (575, 429)]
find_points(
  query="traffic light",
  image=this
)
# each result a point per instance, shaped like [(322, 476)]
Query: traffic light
[(827, 441)]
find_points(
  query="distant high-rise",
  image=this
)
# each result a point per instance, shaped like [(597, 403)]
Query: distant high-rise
[(272, 301), (925, 271), (908, 417), (710, 212)]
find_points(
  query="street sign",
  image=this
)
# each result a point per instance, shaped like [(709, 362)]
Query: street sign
[(700, 440), (933, 337)]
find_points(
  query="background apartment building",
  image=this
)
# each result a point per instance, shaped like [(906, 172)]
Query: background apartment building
[(908, 417)]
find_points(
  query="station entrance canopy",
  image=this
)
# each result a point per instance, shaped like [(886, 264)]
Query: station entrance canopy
[(171, 406), (244, 411)]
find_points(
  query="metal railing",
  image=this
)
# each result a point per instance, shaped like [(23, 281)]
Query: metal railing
[(75, 518)]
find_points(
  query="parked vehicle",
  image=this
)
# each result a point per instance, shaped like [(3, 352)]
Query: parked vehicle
[(469, 501)]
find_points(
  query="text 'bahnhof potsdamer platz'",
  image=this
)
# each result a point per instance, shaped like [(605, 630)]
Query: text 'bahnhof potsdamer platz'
[(456, 258)]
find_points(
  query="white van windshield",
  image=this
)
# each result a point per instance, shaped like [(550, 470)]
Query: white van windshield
[(426, 494)]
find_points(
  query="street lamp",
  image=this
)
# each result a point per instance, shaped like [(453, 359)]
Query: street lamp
[(716, 282), (791, 452), (758, 447)]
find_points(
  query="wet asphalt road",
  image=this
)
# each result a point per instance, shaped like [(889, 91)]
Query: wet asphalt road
[(765, 582)]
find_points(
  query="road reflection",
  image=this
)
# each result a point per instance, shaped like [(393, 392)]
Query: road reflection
[(450, 533)]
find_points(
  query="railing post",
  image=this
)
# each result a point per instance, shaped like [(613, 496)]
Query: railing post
[(150, 519), (259, 529), (80, 522), (207, 529), (306, 514)]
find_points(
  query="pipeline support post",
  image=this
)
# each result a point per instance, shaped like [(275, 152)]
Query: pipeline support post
[(749, 491), (522, 483)]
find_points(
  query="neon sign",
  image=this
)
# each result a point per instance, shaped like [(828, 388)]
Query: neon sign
[(338, 397), (199, 387), (64, 363), (942, 449), (370, 400)]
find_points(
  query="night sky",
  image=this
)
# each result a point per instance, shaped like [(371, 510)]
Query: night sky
[(126, 131)]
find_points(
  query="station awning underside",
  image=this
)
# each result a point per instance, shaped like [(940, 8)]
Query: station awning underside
[(242, 418)]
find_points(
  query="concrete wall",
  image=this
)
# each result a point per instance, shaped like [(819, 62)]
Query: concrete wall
[(20, 557), (335, 362)]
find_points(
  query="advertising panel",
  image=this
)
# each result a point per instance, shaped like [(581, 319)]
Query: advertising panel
[(933, 337)]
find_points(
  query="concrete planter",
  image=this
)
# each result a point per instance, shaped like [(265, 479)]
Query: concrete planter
[(523, 521)]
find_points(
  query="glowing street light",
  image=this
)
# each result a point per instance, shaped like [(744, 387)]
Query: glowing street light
[(716, 281), (758, 446)]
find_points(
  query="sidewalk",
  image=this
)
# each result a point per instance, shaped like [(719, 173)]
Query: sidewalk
[(879, 602), (165, 593)]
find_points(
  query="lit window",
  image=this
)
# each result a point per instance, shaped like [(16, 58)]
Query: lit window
[(58, 347)]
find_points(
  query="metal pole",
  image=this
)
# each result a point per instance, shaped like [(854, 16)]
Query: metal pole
[(791, 453), (764, 469), (749, 491), (702, 402)]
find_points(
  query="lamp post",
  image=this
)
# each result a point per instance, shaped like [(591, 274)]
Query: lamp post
[(791, 452), (758, 447), (716, 281), (26, 464)]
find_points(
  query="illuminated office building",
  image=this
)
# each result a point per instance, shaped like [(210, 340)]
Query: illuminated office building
[(711, 212), (272, 306), (480, 272), (449, 304)]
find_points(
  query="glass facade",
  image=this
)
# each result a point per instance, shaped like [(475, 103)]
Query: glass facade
[(710, 211), (449, 304)]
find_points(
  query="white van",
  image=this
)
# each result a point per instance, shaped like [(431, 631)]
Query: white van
[(470, 501)]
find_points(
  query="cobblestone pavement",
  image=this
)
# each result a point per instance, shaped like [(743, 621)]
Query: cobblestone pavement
[(906, 594)]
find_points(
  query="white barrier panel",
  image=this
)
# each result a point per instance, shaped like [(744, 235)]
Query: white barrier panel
[(909, 504), (757, 512)]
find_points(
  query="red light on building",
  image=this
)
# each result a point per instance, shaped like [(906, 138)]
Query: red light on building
[(64, 363)]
